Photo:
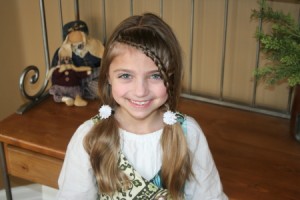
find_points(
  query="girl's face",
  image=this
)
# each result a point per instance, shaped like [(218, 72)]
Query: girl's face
[(136, 85)]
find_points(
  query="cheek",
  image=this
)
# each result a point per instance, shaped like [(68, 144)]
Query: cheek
[(161, 92), (118, 90)]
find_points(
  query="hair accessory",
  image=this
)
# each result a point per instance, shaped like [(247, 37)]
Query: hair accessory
[(105, 111), (170, 118)]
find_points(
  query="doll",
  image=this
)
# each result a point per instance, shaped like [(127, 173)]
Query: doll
[(79, 49), (66, 79)]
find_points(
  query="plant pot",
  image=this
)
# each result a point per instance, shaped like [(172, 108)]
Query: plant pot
[(295, 114)]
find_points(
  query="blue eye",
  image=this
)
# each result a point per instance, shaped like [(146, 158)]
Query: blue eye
[(156, 76), (124, 76)]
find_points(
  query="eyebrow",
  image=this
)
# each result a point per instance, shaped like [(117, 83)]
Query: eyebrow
[(130, 71), (121, 70)]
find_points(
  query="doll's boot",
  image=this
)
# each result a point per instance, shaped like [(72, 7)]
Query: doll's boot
[(68, 101), (79, 101)]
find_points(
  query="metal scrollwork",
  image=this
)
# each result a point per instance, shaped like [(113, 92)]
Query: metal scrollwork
[(33, 80), (42, 93), (35, 98)]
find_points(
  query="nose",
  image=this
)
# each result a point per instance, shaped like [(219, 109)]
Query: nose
[(141, 88)]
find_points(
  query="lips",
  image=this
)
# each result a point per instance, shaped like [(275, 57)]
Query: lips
[(139, 103)]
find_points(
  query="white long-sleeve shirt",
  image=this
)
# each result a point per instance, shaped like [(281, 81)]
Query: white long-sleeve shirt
[(77, 181)]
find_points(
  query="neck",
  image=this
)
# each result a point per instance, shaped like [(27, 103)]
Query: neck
[(141, 126)]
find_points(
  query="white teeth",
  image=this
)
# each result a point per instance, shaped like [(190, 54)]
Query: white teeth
[(139, 102)]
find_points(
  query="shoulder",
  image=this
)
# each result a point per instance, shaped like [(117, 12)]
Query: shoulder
[(206, 182), (75, 151), (192, 127), (194, 134), (76, 179), (80, 133)]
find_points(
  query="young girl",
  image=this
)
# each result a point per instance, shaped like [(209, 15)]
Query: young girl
[(139, 146)]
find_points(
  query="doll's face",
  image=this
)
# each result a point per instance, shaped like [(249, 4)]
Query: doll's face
[(78, 43), (78, 48)]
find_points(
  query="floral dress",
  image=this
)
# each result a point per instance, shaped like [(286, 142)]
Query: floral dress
[(140, 188)]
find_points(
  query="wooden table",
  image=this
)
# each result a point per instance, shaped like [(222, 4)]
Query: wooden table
[(33, 144)]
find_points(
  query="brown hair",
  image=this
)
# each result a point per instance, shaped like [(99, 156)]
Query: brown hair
[(151, 35)]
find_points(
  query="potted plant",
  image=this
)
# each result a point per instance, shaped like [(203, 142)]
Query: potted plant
[(281, 46)]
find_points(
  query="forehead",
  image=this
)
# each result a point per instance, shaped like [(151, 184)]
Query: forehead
[(126, 55), (75, 37), (118, 49)]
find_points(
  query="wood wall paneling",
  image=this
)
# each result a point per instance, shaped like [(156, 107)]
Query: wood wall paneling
[(142, 6), (207, 47), (178, 14), (240, 52), (116, 11)]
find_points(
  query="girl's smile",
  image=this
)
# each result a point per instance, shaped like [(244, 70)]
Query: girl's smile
[(140, 103), (137, 87)]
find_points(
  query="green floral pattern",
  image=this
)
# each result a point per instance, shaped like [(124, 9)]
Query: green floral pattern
[(139, 189)]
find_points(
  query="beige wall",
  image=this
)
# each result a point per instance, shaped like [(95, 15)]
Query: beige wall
[(22, 43), (11, 58)]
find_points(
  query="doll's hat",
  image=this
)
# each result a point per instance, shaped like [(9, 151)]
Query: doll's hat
[(77, 25)]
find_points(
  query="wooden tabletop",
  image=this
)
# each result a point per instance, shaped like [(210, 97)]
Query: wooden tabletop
[(46, 128)]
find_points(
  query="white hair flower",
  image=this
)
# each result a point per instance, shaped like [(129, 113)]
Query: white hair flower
[(170, 118), (105, 111)]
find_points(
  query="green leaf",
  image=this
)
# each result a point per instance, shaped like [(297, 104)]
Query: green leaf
[(281, 46)]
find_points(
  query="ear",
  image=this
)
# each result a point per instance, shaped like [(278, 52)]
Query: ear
[(65, 51), (66, 41)]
